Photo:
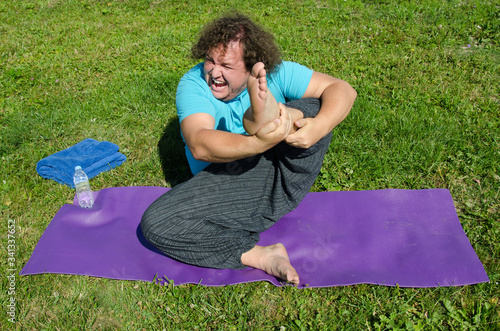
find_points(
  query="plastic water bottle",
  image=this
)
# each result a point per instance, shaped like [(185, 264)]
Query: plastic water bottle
[(83, 191)]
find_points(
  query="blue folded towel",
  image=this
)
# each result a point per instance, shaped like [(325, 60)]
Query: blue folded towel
[(93, 156)]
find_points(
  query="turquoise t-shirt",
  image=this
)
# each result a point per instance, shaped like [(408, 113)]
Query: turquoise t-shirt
[(289, 82)]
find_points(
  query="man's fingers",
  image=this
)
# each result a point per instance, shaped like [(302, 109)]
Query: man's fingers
[(286, 116), (299, 137), (278, 129), (299, 124), (270, 127)]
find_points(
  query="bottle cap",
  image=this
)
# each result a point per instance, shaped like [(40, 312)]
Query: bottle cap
[(78, 168)]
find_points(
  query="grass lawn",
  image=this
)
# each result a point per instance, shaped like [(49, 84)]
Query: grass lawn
[(427, 116)]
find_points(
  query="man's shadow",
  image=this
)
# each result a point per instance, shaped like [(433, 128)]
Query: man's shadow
[(172, 154)]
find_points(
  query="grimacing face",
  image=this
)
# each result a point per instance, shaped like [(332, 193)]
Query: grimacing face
[(225, 72)]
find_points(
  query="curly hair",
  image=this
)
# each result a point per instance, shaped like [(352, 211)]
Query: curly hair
[(258, 45)]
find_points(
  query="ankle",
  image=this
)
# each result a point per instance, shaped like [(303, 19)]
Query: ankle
[(252, 258)]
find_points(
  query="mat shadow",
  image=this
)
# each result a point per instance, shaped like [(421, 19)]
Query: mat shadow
[(146, 243)]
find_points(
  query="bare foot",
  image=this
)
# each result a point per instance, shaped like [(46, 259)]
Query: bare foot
[(263, 106), (273, 260), (296, 115)]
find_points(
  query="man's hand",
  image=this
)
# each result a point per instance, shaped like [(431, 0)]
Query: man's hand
[(275, 131), (308, 133)]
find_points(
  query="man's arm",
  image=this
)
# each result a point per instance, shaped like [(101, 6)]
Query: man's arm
[(337, 98), (216, 146)]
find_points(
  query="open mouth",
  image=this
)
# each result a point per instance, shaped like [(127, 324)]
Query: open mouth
[(218, 84)]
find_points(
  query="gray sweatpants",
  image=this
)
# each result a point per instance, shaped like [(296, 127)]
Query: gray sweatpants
[(216, 216)]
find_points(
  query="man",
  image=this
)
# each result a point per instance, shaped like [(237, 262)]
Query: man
[(254, 159)]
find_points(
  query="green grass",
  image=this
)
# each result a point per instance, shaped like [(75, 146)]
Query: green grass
[(427, 116)]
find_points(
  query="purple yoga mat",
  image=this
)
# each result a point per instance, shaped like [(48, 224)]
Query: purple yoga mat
[(386, 237)]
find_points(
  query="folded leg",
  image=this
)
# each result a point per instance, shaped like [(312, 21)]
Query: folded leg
[(216, 216)]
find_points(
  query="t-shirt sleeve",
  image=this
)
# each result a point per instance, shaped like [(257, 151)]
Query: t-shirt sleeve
[(191, 96), (292, 79)]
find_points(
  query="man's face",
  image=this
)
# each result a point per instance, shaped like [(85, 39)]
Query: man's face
[(225, 72)]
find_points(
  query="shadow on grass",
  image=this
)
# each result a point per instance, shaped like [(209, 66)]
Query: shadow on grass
[(172, 156)]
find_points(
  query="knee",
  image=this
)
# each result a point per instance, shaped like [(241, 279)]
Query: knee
[(149, 224), (308, 106), (145, 224), (158, 225)]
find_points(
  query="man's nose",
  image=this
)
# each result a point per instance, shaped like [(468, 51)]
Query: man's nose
[(217, 71)]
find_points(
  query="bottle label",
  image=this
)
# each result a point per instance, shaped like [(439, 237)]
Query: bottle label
[(83, 186)]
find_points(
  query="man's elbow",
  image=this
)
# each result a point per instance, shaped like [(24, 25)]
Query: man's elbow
[(350, 92), (199, 153), (354, 93)]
